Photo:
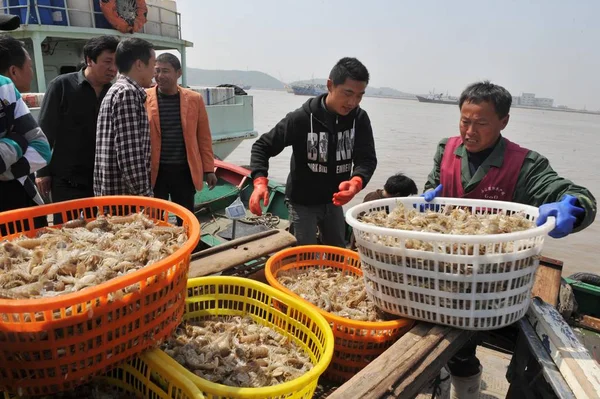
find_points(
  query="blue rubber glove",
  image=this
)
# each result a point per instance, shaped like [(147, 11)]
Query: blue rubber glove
[(431, 194), (565, 212)]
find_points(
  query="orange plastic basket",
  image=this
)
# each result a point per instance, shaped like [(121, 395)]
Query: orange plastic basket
[(357, 343), (49, 345)]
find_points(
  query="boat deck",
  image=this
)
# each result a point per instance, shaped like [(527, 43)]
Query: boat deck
[(494, 384), (216, 228)]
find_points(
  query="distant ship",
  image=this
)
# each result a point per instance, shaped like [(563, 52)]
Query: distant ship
[(246, 87), (288, 88), (309, 89), (438, 99)]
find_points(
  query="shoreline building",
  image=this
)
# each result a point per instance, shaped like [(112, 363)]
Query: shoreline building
[(530, 100)]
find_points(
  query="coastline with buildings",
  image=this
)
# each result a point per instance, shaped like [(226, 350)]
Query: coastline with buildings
[(530, 101), (525, 100)]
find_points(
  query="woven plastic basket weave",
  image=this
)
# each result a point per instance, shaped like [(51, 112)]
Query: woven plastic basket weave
[(475, 282), (213, 296), (357, 343), (53, 344)]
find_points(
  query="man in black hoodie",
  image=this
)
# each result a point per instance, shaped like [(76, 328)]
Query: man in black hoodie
[(333, 156)]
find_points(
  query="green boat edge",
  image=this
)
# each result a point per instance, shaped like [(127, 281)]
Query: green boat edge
[(235, 182)]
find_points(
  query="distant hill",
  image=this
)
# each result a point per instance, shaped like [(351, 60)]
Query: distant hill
[(371, 91), (388, 92), (261, 80), (316, 81), (209, 77)]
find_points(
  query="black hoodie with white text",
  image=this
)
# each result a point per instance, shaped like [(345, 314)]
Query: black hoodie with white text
[(327, 150)]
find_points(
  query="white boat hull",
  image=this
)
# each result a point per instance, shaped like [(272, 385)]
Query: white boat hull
[(224, 146), (229, 124)]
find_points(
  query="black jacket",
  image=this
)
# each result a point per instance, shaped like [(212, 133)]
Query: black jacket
[(327, 150), (68, 117)]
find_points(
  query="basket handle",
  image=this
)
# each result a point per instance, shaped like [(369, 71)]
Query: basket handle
[(549, 225)]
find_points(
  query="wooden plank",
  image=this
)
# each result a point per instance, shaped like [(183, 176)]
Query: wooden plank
[(259, 276), (579, 369), (230, 256), (232, 244), (428, 368), (403, 361), (546, 284), (589, 322), (364, 382)]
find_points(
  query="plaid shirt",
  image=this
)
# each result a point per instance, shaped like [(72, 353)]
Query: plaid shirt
[(122, 165)]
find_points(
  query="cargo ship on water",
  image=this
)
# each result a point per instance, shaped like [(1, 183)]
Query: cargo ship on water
[(313, 89), (438, 99)]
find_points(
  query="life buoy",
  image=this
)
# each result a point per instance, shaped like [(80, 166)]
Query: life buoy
[(126, 16)]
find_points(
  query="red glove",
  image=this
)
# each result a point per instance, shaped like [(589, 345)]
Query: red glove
[(261, 191), (348, 189)]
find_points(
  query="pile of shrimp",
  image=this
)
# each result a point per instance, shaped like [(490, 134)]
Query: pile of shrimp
[(78, 255), (237, 352), (449, 220), (333, 290)]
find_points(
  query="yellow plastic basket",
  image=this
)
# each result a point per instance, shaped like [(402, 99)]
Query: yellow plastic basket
[(146, 376), (235, 296)]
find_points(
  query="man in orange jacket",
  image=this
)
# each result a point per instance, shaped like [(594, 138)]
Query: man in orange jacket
[(180, 139)]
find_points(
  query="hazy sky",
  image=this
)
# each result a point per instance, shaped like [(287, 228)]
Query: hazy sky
[(548, 47)]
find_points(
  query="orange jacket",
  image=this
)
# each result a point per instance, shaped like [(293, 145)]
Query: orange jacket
[(196, 134)]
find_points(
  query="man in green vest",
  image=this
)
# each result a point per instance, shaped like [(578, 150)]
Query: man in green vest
[(482, 164)]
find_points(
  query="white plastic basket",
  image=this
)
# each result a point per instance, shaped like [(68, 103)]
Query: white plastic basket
[(447, 285)]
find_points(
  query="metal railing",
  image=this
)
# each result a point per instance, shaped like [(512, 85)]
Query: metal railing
[(33, 9)]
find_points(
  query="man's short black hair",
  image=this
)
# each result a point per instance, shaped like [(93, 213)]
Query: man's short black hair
[(400, 185), (349, 68), (169, 58), (96, 45), (12, 52), (130, 50), (485, 91)]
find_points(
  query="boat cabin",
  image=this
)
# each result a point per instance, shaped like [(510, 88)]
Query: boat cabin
[(55, 31)]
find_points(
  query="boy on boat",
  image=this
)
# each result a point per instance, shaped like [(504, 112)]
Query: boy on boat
[(333, 156), (397, 185)]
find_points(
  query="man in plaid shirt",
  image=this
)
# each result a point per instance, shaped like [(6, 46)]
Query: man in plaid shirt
[(122, 165)]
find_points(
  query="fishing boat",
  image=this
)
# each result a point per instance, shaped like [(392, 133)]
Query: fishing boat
[(54, 33), (235, 182), (434, 98), (241, 246), (288, 88), (312, 89)]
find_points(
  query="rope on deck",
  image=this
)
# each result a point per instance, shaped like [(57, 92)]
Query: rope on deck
[(268, 220)]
